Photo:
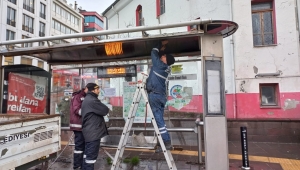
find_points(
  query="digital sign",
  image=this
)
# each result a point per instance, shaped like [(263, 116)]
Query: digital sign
[(116, 71)]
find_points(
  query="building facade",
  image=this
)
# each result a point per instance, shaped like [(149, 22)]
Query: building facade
[(37, 18), (92, 22), (261, 59), (65, 19), (21, 20)]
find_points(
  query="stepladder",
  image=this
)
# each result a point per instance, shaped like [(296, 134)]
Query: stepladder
[(139, 93)]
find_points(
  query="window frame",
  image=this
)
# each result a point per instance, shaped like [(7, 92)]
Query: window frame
[(9, 33), (28, 24), (11, 21), (160, 7), (42, 29), (276, 95), (42, 10), (28, 6), (139, 16), (273, 12), (13, 1), (26, 44)]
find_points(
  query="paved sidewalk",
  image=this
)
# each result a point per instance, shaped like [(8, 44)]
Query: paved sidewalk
[(263, 156)]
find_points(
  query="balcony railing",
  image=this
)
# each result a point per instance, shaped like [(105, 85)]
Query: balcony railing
[(28, 29), (42, 15), (28, 8), (11, 22), (41, 34)]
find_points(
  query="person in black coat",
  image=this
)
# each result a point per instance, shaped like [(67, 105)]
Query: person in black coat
[(93, 124)]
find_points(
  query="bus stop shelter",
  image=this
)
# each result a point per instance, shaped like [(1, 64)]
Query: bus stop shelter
[(205, 40)]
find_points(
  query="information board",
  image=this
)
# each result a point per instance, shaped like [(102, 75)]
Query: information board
[(129, 89)]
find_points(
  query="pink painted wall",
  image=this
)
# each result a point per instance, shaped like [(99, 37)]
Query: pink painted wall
[(247, 106)]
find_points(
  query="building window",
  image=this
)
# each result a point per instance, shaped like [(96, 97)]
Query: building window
[(26, 44), (42, 30), (43, 11), (27, 24), (139, 16), (10, 35), (28, 5), (263, 26), (11, 16), (93, 19), (41, 64), (13, 1), (8, 60), (41, 43), (269, 94), (62, 28), (25, 60), (160, 7)]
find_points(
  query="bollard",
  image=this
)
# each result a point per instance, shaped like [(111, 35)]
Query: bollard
[(199, 139), (244, 143)]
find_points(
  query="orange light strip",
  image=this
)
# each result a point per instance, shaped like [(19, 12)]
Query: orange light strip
[(114, 48), (116, 70)]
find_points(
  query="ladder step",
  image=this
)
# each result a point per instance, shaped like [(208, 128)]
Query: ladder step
[(140, 92)]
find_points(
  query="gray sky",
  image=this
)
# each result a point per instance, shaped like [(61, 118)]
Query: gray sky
[(93, 5)]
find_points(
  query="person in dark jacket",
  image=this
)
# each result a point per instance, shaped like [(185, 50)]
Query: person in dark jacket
[(156, 88), (93, 124), (76, 126)]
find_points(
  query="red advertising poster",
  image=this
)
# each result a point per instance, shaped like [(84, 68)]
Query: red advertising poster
[(26, 94)]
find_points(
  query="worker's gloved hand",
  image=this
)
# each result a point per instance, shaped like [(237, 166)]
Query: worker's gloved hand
[(161, 45)]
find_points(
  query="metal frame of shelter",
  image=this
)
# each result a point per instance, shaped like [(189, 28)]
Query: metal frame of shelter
[(206, 41)]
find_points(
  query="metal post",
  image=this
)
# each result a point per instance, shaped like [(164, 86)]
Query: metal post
[(244, 143), (107, 32), (199, 140), (214, 108)]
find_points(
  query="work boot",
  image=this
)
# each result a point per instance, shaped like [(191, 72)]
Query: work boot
[(168, 146)]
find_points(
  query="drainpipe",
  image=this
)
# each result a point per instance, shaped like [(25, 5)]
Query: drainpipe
[(297, 17), (233, 63), (116, 12), (106, 22), (298, 25), (158, 19)]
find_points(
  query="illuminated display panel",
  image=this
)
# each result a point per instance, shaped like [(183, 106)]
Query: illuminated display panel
[(116, 70), (119, 71)]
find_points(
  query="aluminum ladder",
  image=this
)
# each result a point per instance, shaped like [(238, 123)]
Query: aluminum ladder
[(140, 91)]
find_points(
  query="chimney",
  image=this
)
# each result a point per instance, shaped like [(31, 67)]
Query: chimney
[(75, 7)]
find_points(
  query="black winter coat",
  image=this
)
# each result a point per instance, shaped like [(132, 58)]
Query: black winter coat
[(92, 111)]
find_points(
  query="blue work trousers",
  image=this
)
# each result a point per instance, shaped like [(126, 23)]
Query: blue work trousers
[(157, 103), (79, 149), (91, 152)]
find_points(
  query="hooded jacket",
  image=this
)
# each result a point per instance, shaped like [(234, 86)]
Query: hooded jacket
[(93, 124), (75, 110), (158, 76)]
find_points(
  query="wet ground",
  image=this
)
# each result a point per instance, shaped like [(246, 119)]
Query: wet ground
[(263, 156)]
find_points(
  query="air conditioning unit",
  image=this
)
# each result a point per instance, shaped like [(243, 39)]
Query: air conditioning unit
[(86, 24)]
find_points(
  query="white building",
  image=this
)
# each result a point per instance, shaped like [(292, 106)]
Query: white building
[(65, 19), (24, 19), (261, 58)]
